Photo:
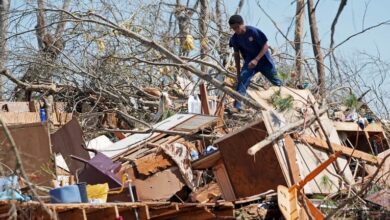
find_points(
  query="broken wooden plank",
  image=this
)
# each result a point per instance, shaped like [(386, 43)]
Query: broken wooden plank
[(207, 161), (153, 163), (223, 181), (319, 143), (160, 186), (196, 123), (291, 157), (206, 193), (204, 99), (353, 126)]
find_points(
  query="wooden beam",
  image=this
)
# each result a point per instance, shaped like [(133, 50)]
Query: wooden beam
[(292, 159), (73, 214), (207, 161), (204, 99), (319, 143), (352, 126)]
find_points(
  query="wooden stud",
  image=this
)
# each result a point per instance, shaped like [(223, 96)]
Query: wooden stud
[(319, 143)]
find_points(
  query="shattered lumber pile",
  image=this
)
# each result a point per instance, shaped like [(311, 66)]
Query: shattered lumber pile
[(296, 163)]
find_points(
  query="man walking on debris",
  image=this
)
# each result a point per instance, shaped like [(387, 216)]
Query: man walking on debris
[(252, 44)]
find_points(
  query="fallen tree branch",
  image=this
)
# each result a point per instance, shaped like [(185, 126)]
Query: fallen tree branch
[(31, 87), (272, 137)]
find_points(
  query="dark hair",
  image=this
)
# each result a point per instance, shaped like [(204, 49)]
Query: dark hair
[(236, 19)]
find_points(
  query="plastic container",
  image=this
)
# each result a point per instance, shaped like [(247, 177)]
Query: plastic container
[(194, 104), (97, 193), (83, 192), (194, 155), (42, 114), (66, 194)]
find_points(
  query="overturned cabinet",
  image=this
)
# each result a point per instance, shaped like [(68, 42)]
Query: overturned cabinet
[(237, 173)]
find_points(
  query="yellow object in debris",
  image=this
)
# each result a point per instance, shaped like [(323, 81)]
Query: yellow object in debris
[(97, 192), (164, 70), (204, 43), (230, 81), (188, 43), (101, 45)]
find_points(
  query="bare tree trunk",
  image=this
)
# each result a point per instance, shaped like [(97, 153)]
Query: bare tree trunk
[(299, 19), (203, 23), (316, 47), (4, 10), (240, 4), (183, 16), (222, 38), (50, 46)]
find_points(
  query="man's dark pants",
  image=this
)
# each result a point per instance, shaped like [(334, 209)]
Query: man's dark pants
[(269, 71)]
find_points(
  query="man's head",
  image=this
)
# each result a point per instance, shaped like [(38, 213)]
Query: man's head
[(236, 23)]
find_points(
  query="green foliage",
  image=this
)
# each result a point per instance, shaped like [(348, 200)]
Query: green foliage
[(326, 183), (281, 103), (283, 76), (168, 113), (351, 101)]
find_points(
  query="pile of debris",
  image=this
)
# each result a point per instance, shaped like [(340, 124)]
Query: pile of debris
[(293, 161)]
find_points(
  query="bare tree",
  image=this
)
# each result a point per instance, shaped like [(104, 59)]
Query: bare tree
[(316, 47), (4, 11), (299, 19), (204, 18)]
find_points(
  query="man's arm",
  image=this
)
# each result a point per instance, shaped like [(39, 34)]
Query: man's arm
[(237, 61), (254, 62)]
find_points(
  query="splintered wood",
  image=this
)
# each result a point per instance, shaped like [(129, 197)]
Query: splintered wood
[(153, 163)]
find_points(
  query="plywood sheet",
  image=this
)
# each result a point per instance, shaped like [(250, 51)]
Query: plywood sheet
[(127, 143), (196, 123), (67, 141), (353, 126), (250, 175), (14, 107), (12, 118), (32, 141), (161, 186)]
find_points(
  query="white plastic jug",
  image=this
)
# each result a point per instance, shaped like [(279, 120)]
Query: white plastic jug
[(194, 105)]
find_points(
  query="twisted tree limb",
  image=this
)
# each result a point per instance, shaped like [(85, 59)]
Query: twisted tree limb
[(31, 87)]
